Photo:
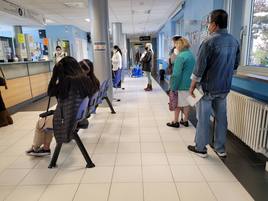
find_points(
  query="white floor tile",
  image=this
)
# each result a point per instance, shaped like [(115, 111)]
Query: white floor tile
[(129, 138), (5, 191), (180, 159), (26, 193), (68, 176), (12, 176), (39, 177), (131, 147), (126, 192), (94, 192), (26, 162), (231, 191), (127, 174), (160, 192), (106, 148), (175, 147), (212, 159), (98, 175), (59, 192), (73, 161), (154, 159), (128, 159), (150, 138), (6, 161), (154, 147), (157, 174), (104, 159), (218, 173), (187, 173), (195, 191)]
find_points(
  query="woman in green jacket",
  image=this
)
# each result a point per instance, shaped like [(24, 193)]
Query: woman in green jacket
[(180, 81)]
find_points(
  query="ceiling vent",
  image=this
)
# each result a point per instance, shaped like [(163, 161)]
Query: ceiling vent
[(75, 4)]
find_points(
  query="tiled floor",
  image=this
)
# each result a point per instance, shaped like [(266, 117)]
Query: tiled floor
[(137, 158)]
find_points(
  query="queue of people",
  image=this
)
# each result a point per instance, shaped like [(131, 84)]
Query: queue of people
[(211, 73), (218, 55)]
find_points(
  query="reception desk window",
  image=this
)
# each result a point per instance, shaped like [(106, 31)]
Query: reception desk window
[(25, 80)]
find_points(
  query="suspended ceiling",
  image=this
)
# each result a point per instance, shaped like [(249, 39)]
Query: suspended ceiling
[(137, 16)]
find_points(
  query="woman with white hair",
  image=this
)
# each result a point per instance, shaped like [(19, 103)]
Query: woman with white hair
[(146, 62)]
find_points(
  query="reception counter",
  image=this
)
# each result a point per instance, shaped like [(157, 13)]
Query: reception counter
[(26, 81)]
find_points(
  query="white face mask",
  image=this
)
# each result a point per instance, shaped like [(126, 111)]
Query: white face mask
[(176, 51)]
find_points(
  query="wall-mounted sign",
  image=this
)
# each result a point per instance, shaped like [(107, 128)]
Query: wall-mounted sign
[(99, 46), (21, 38), (145, 38), (45, 41)]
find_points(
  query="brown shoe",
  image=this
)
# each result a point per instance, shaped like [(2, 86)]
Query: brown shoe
[(150, 88), (145, 89)]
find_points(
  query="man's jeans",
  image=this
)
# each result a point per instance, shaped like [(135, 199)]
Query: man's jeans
[(204, 108)]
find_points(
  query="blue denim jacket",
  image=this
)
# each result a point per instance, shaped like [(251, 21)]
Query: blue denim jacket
[(217, 58)]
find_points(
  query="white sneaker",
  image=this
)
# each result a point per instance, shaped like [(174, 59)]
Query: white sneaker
[(221, 154)]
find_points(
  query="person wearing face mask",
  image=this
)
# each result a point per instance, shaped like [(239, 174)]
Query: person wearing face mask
[(218, 57), (59, 54), (146, 62), (180, 82), (117, 66), (172, 55)]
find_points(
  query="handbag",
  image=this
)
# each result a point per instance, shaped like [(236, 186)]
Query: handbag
[(173, 100), (43, 116), (2, 79)]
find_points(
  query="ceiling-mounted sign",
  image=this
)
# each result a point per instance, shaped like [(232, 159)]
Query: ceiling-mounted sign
[(145, 38), (99, 46), (21, 38), (14, 9)]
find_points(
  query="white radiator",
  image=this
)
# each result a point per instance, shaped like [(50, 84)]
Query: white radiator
[(248, 120)]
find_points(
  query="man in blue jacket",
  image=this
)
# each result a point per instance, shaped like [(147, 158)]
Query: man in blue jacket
[(217, 59)]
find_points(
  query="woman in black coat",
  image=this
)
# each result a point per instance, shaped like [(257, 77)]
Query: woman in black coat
[(146, 62)]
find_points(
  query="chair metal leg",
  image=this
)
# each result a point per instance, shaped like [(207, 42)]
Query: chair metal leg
[(55, 156), (110, 105), (90, 164)]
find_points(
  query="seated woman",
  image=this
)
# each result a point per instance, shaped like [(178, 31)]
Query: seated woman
[(70, 85), (88, 68)]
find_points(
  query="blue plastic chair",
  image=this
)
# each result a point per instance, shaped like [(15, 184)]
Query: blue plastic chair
[(82, 111), (80, 117), (101, 92), (103, 95), (93, 104)]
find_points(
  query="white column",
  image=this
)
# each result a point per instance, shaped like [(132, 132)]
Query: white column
[(124, 51), (99, 17), (117, 34)]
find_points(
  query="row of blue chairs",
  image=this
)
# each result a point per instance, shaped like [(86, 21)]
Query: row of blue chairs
[(87, 107)]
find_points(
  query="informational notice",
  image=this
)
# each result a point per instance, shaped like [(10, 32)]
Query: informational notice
[(21, 38), (100, 46), (45, 41)]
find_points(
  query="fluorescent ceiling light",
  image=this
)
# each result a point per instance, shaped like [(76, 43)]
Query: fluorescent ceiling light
[(87, 19), (48, 21), (75, 4)]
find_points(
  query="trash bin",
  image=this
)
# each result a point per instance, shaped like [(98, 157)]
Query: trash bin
[(162, 74)]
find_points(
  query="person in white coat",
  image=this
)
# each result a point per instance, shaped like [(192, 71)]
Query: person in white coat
[(117, 66)]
